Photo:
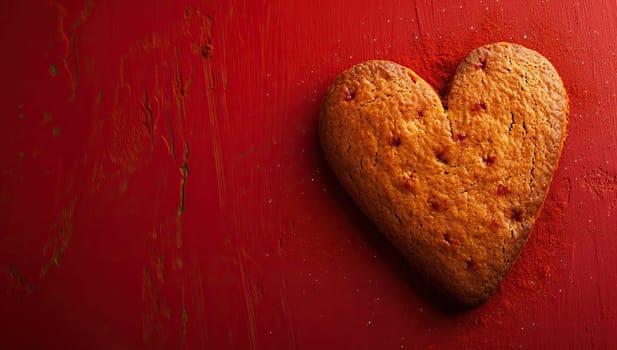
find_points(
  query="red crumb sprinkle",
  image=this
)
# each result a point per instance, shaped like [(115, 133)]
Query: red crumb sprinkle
[(471, 264), (407, 182), (479, 106), (481, 64), (349, 94), (396, 141), (489, 160), (517, 215), (438, 204), (448, 238), (461, 137), (495, 225), (503, 190)]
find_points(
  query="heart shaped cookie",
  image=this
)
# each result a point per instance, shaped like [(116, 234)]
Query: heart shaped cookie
[(456, 189)]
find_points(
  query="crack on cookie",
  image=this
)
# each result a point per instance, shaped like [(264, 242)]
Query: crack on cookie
[(512, 122), (400, 222), (351, 132), (533, 140), (352, 182), (533, 159), (371, 101), (549, 120), (503, 249), (532, 171), (376, 189)]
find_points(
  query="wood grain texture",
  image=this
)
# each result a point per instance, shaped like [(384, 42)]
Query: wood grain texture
[(162, 185)]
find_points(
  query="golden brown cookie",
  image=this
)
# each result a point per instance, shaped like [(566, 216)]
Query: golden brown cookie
[(458, 190)]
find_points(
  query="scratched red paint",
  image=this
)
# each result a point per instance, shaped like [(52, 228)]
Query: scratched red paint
[(162, 185)]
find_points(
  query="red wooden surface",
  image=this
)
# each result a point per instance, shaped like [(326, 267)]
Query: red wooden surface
[(162, 186)]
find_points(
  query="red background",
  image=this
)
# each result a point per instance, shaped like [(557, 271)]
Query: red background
[(162, 185)]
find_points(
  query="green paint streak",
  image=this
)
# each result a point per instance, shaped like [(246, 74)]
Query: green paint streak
[(172, 141), (75, 81), (53, 70), (46, 118), (184, 170), (21, 116), (124, 185), (60, 234), (148, 117), (21, 154), (184, 315), (56, 131), (15, 280)]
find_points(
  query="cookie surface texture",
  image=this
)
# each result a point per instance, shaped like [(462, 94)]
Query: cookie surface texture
[(456, 190)]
